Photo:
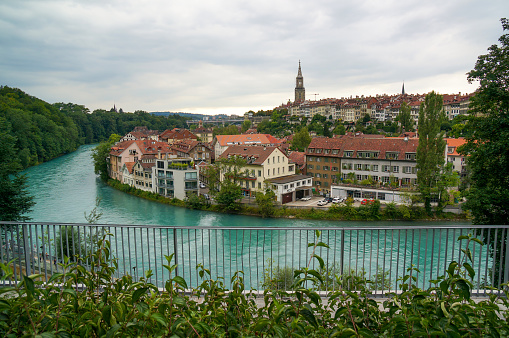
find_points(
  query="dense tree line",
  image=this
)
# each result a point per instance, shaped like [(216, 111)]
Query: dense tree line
[(44, 131)]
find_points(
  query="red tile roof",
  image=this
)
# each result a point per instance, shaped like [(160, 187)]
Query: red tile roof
[(263, 139), (254, 154)]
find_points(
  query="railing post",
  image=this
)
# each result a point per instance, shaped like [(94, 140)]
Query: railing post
[(506, 265), (342, 261), (27, 249), (175, 250)]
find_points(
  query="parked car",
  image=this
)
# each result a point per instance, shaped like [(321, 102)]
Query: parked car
[(202, 185), (338, 200), (206, 196), (323, 202), (307, 198)]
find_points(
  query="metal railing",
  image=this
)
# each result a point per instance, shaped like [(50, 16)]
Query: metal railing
[(267, 256)]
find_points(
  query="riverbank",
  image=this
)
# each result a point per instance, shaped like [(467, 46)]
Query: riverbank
[(343, 212)]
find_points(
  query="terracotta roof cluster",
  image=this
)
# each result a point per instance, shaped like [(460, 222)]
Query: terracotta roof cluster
[(246, 139), (177, 134), (454, 143), (188, 145), (253, 154), (322, 146)]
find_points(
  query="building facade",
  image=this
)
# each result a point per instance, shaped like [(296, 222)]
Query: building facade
[(174, 177)]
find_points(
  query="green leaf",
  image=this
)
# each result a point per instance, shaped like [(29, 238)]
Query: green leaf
[(320, 261), (309, 316), (462, 237), (451, 268), (366, 333), (477, 240), (470, 270), (138, 293), (106, 314), (317, 233), (180, 281), (159, 318), (55, 276), (111, 332), (316, 273), (29, 283), (322, 244)]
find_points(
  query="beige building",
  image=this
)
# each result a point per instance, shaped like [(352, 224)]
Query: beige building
[(263, 163)]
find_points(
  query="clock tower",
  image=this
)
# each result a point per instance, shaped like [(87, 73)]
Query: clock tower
[(300, 91)]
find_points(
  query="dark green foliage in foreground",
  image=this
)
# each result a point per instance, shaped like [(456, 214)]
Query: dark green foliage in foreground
[(123, 307)]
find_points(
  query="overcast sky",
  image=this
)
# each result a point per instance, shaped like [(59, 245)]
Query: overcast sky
[(230, 56)]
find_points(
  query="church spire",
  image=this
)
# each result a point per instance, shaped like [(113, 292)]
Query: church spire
[(300, 91), (403, 88)]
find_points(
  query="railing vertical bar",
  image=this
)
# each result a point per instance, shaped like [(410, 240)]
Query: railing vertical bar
[(263, 255), (495, 250), (257, 262), (222, 246), (371, 244), (501, 257), (432, 255), (196, 253), (39, 260), (44, 248), (155, 256), (377, 259), (190, 259), (439, 250), (363, 252), (136, 268), (419, 259), (390, 262), (250, 260), (486, 274), (405, 253), (446, 250), (30, 258), (129, 270), (12, 247), (356, 253), (334, 260)]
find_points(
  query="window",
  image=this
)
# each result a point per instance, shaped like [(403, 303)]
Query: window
[(366, 167), (310, 158), (358, 177), (311, 150), (407, 169), (374, 167), (325, 167), (358, 166), (310, 166), (386, 179), (318, 151), (285, 186), (348, 153), (191, 176), (335, 151), (169, 174), (391, 155), (334, 168), (317, 176), (160, 164), (318, 167), (326, 159), (385, 168), (252, 184), (410, 156), (191, 185), (325, 176), (290, 168), (259, 173), (259, 185), (160, 173), (395, 169)]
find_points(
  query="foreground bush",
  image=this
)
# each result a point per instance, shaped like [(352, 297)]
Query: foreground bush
[(89, 302)]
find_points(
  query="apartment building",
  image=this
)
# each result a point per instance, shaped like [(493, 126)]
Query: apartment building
[(379, 160), (458, 161), (197, 150), (222, 142), (174, 177)]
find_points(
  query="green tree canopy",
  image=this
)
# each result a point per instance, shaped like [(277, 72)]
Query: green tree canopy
[(301, 140), (487, 146), (100, 153), (431, 148), (405, 118)]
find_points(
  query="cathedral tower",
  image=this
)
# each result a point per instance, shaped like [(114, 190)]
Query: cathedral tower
[(300, 91)]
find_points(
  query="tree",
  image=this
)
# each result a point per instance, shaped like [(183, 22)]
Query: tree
[(245, 126), (487, 147), (265, 202), (15, 201), (100, 153), (339, 130), (431, 148), (301, 140), (229, 195), (405, 117)]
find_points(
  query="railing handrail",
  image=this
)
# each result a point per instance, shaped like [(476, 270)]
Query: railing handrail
[(235, 227)]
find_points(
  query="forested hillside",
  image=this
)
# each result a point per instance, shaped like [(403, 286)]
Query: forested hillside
[(44, 131)]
